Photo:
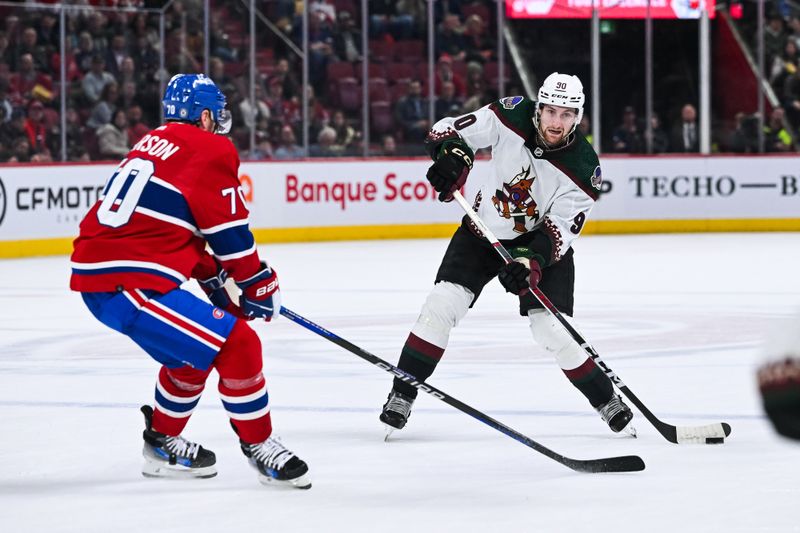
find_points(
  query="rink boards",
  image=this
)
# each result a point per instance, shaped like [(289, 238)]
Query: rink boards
[(350, 199)]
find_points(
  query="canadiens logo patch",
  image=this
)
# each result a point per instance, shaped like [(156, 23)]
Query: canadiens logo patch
[(510, 102), (597, 178), (218, 313)]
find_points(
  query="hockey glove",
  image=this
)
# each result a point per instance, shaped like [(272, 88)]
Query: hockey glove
[(261, 297), (779, 384), (214, 287), (449, 172), (520, 274)]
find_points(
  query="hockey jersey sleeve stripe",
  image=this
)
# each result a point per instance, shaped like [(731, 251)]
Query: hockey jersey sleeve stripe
[(167, 202), (106, 267), (225, 226), (592, 193), (232, 241), (237, 255), (167, 218)]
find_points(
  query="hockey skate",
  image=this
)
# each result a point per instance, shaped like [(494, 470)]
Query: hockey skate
[(617, 415), (396, 411), (277, 465), (173, 457)]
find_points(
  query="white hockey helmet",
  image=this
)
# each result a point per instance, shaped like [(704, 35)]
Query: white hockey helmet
[(563, 90)]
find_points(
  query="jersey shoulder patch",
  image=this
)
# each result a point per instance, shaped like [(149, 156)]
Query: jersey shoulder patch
[(515, 113), (582, 166)]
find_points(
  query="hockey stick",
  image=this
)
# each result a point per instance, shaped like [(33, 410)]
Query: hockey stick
[(627, 463), (707, 434)]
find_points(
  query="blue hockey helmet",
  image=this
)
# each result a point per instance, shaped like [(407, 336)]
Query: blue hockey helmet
[(187, 95)]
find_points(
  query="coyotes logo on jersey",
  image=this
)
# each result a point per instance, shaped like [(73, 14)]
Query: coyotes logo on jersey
[(515, 201)]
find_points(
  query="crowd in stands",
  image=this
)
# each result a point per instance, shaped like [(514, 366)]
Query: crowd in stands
[(113, 81)]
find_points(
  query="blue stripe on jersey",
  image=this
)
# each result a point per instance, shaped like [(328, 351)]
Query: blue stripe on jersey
[(232, 240), (247, 407), (166, 201), (111, 270), (177, 407)]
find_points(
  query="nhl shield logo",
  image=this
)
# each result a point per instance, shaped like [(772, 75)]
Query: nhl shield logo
[(218, 313), (597, 178), (538, 152)]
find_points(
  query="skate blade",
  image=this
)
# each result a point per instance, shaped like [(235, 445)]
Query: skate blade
[(630, 430), (389, 430), (166, 471), (303, 482)]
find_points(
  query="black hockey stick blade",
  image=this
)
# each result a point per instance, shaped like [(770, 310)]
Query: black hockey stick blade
[(625, 463), (705, 434), (628, 463)]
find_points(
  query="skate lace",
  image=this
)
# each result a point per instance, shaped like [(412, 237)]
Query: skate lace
[(272, 452), (398, 405), (611, 409), (182, 447)]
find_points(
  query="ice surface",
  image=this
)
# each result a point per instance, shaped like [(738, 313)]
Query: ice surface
[(680, 318)]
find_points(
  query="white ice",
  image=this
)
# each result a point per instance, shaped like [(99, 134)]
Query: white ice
[(680, 318)]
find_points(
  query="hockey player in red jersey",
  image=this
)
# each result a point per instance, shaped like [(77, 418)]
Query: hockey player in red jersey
[(176, 192)]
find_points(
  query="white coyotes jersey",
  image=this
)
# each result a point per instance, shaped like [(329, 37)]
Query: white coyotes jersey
[(528, 187)]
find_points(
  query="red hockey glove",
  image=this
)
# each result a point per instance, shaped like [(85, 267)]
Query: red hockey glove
[(211, 277), (449, 172), (261, 297), (520, 274)]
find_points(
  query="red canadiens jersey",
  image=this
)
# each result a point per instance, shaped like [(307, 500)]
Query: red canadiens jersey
[(176, 191)]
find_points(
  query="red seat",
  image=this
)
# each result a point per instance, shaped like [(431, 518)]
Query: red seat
[(381, 117), (410, 51), (400, 71), (399, 90), (340, 69), (349, 94), (381, 51), (374, 70), (477, 9), (379, 90)]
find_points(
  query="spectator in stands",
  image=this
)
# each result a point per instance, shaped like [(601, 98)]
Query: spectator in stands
[(12, 130), (444, 72), (28, 45), (388, 146), (776, 137), (48, 34), (129, 95), (685, 134), (96, 80), (449, 38), (96, 24), (585, 127), (412, 113), (660, 137), (76, 147), (21, 151), (320, 116), (417, 10), (477, 45), (384, 18), (785, 64), (288, 148), (291, 87), (85, 52), (28, 83), (250, 112), (6, 54), (145, 57), (5, 102), (448, 104), (627, 137), (136, 128), (320, 43), (323, 8), (103, 111), (35, 128), (116, 54), (216, 68), (326, 144), (345, 134), (791, 97), (745, 137), (112, 138), (347, 41), (475, 82), (773, 38)]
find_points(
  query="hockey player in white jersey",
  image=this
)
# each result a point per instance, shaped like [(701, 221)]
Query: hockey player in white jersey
[(543, 182)]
